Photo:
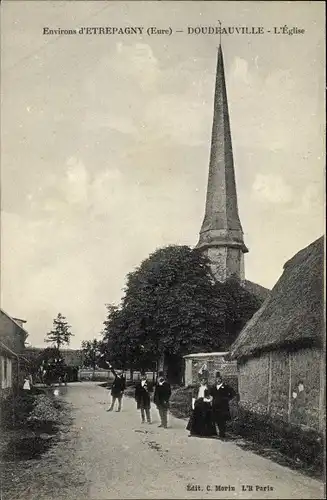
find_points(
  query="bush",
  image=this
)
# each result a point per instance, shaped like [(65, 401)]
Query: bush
[(181, 402), (15, 409), (45, 409), (302, 445), (29, 408)]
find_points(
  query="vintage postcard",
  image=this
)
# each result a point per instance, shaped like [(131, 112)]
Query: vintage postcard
[(162, 250)]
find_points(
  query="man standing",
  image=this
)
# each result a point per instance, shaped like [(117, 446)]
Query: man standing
[(221, 395), (142, 398), (161, 399), (117, 389)]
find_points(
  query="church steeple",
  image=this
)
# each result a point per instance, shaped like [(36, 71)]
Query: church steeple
[(221, 234)]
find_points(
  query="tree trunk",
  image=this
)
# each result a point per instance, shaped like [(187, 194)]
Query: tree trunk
[(131, 371), (161, 363)]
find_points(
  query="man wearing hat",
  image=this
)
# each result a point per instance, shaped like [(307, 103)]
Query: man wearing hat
[(117, 388), (161, 398), (142, 397), (221, 395)]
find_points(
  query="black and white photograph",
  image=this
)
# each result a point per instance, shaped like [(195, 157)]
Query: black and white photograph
[(162, 319)]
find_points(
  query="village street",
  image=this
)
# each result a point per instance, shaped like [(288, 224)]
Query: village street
[(112, 455)]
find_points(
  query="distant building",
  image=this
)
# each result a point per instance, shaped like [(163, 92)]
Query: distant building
[(196, 364), (280, 352), (13, 364), (71, 357)]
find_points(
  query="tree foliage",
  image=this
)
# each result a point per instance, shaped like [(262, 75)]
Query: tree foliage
[(91, 352), (172, 305), (49, 364), (60, 333)]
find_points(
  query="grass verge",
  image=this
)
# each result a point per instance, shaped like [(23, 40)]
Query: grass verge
[(287, 445)]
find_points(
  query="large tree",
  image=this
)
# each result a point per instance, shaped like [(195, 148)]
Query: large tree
[(91, 352), (173, 306), (60, 333)]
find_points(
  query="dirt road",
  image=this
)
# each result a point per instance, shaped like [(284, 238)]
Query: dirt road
[(112, 455)]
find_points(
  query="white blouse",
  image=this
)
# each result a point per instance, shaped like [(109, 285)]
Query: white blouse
[(202, 388)]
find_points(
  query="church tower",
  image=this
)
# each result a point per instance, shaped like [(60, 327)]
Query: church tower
[(221, 234)]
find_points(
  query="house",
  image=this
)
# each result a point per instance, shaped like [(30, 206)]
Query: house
[(12, 348), (71, 357), (280, 352), (73, 360)]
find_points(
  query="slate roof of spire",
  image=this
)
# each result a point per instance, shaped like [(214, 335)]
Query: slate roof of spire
[(221, 224)]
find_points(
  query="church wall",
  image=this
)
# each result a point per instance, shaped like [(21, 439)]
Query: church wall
[(226, 262), (217, 257), (234, 263)]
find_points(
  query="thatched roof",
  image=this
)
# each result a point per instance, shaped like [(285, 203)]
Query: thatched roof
[(258, 290), (293, 313)]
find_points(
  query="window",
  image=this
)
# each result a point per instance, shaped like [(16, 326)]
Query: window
[(6, 372)]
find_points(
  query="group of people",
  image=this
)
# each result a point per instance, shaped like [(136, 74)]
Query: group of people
[(210, 405), (143, 390), (210, 408)]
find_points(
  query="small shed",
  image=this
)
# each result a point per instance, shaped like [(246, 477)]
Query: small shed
[(211, 362), (280, 352)]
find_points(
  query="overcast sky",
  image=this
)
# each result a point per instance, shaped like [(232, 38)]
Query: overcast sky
[(105, 145)]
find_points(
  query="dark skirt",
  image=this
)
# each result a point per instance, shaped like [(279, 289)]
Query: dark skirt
[(201, 422)]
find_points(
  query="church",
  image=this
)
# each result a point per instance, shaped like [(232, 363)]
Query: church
[(221, 235)]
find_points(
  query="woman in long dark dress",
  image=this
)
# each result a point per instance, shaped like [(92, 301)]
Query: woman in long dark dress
[(201, 422)]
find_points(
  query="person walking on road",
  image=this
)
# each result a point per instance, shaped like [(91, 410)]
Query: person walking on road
[(142, 398), (221, 395), (161, 399), (117, 389)]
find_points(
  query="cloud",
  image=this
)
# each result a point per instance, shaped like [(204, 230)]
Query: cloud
[(169, 103), (311, 202), (179, 120), (272, 189), (138, 63), (240, 71), (75, 185), (251, 89)]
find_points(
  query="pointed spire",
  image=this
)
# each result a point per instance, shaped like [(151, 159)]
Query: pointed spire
[(221, 225)]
